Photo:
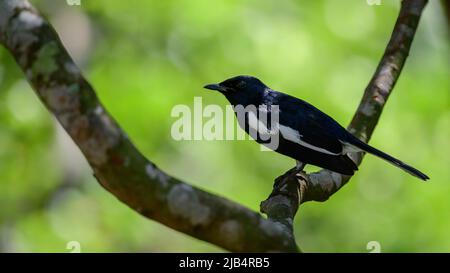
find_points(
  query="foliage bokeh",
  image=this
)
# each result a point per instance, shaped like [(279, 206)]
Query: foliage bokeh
[(145, 57)]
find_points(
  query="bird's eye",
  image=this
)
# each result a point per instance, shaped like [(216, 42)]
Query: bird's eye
[(240, 84)]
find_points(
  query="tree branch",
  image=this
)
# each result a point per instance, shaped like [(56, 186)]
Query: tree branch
[(117, 164), (292, 188)]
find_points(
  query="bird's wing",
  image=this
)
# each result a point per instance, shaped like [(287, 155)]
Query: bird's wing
[(305, 125)]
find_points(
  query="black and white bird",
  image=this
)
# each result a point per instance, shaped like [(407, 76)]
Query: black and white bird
[(305, 133)]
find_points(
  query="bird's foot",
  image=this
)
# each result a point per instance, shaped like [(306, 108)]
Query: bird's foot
[(292, 185), (285, 183), (299, 166), (301, 175)]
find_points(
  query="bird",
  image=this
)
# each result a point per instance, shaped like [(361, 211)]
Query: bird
[(304, 132)]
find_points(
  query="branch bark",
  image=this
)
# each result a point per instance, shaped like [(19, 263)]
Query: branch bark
[(292, 189), (118, 166), (122, 170)]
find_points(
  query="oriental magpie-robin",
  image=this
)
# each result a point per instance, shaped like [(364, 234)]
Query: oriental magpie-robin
[(305, 133)]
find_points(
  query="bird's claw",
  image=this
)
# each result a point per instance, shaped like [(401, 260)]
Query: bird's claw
[(293, 175), (301, 176)]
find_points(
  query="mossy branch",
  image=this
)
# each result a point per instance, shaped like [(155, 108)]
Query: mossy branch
[(118, 166)]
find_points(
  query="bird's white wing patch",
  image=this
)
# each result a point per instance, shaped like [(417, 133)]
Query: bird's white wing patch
[(295, 136), (256, 124), (287, 132), (259, 126)]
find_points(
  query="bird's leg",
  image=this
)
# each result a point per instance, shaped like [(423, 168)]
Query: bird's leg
[(299, 166), (280, 182), (292, 184), (299, 173), (296, 172)]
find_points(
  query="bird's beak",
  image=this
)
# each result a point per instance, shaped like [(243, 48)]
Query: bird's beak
[(215, 86)]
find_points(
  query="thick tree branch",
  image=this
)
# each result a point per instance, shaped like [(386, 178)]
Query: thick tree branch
[(292, 188), (117, 164)]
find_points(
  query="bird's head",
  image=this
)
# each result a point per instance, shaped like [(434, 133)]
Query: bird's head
[(240, 89)]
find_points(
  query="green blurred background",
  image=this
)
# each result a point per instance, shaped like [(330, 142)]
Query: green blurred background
[(145, 57)]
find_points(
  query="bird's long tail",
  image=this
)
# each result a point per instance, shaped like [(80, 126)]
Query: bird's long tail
[(394, 161)]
